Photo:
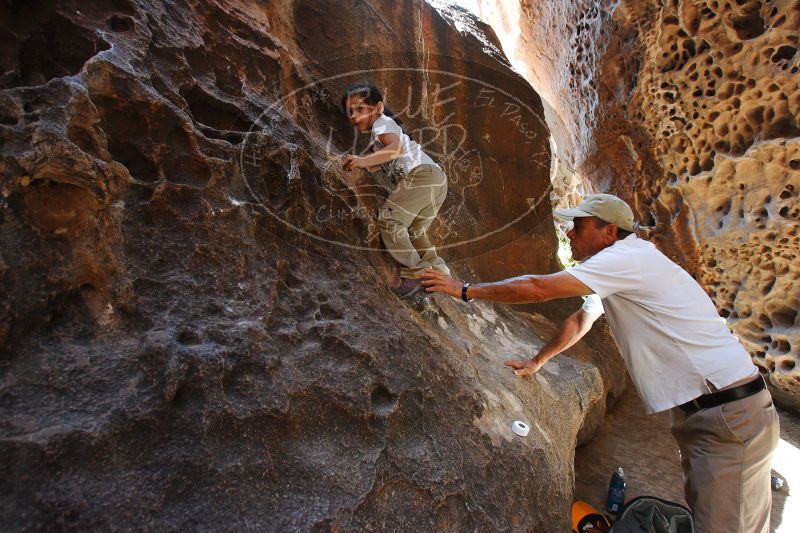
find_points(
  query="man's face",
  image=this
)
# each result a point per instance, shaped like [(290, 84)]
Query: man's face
[(586, 238)]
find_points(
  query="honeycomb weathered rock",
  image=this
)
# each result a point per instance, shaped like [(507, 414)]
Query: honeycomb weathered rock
[(722, 90)]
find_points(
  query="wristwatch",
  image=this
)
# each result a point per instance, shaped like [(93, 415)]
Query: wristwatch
[(464, 292)]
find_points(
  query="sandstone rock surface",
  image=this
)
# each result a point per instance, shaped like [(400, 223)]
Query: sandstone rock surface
[(195, 331)]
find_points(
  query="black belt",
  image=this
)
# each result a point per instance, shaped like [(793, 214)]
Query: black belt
[(713, 399)]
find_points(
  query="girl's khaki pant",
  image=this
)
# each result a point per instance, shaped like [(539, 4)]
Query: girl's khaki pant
[(405, 217)]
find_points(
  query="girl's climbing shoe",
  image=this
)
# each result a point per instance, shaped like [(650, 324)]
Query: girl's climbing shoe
[(409, 287)]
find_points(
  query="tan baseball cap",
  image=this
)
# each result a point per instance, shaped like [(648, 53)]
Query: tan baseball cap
[(606, 207)]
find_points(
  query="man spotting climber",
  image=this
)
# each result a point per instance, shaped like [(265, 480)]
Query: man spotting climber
[(680, 355)]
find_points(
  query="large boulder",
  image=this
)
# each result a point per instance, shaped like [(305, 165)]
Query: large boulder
[(195, 329)]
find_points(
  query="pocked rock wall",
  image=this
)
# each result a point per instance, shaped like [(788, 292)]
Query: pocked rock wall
[(690, 110), (195, 329)]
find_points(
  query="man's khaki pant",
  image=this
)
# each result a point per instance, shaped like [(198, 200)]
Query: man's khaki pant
[(726, 454), (405, 217)]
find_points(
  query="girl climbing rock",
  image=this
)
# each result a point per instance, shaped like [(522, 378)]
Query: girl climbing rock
[(410, 209)]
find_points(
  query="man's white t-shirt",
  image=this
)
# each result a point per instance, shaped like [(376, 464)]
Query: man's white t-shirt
[(412, 155), (592, 304), (665, 325)]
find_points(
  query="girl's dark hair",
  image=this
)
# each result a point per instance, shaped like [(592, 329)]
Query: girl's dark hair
[(371, 95)]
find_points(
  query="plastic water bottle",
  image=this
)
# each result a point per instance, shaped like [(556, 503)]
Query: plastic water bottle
[(616, 492)]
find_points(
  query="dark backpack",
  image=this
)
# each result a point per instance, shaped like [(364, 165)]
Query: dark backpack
[(647, 514)]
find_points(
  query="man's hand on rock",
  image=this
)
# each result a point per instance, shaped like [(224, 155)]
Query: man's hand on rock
[(524, 367), (437, 282)]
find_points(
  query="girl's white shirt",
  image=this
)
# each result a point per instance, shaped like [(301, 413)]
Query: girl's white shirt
[(412, 155)]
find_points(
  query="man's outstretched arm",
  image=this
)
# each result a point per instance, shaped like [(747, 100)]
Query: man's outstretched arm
[(571, 331), (520, 290)]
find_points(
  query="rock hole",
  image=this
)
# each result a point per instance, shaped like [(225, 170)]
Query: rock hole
[(383, 402), (54, 49), (768, 286), (756, 115), (783, 127), (188, 337), (185, 169), (329, 313), (785, 52), (748, 26), (783, 316), (120, 24), (140, 165), (722, 146), (8, 119), (87, 287), (83, 139), (213, 112), (186, 397)]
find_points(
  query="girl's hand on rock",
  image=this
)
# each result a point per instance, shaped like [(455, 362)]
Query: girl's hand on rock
[(352, 162)]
